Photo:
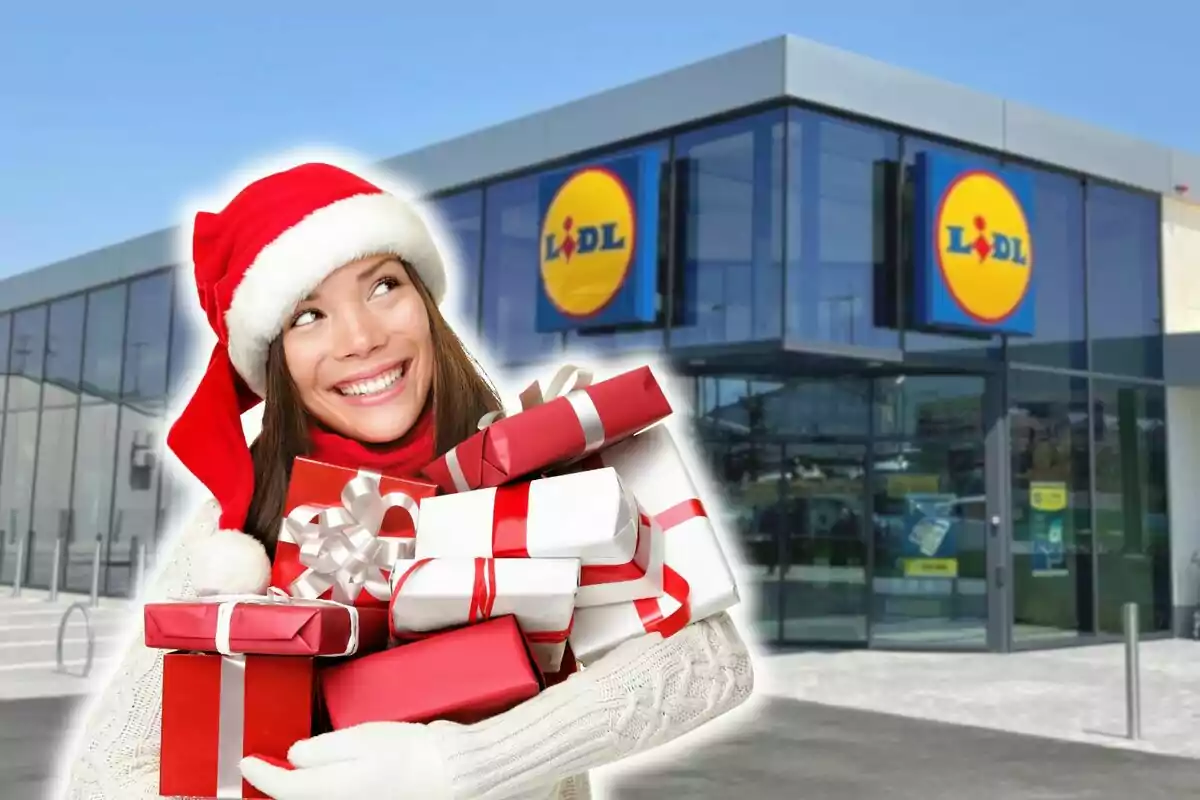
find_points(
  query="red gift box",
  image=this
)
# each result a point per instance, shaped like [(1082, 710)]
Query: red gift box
[(463, 675), (265, 626), (552, 430), (218, 709), (342, 531)]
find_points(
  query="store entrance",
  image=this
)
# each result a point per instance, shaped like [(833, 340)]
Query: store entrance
[(884, 536)]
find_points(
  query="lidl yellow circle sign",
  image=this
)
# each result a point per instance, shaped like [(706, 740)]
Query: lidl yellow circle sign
[(598, 255), (975, 269), (588, 234)]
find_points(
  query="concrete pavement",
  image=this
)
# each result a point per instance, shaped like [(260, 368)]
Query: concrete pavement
[(28, 638), (781, 749), (1075, 693)]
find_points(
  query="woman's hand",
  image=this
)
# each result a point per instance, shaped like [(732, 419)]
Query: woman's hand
[(374, 761)]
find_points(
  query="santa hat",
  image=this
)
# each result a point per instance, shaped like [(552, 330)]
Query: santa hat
[(271, 246)]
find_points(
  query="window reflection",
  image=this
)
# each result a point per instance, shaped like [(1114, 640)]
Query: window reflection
[(462, 215), (185, 361), (1053, 575), (1132, 534), (730, 253), (5, 328), (841, 284), (56, 441), (140, 425), (104, 342), (1059, 318), (26, 363), (1124, 311), (510, 274)]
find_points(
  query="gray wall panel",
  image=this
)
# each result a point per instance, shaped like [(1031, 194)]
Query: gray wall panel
[(743, 77), (125, 260), (1068, 143), (1185, 170), (835, 78)]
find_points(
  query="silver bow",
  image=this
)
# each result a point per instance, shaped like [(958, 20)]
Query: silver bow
[(341, 548), (568, 379)]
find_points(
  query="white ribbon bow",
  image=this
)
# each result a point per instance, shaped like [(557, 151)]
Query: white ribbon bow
[(568, 379), (341, 548)]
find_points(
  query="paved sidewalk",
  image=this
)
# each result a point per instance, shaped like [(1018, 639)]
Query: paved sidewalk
[(1076, 693), (28, 642)]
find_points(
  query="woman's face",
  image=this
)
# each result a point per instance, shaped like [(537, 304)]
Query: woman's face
[(359, 351)]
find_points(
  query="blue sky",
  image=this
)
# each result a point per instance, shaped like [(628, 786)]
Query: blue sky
[(110, 116)]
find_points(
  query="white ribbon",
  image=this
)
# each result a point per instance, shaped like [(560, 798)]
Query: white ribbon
[(227, 603), (231, 726), (341, 548)]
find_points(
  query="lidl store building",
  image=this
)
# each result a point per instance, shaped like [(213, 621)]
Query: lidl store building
[(943, 349)]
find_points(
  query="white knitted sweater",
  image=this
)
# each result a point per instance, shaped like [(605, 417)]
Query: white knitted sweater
[(637, 697)]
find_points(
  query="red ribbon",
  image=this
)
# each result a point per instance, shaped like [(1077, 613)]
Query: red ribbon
[(510, 537), (674, 584), (483, 603)]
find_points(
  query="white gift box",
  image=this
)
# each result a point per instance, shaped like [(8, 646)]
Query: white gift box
[(698, 581), (589, 515), (435, 594)]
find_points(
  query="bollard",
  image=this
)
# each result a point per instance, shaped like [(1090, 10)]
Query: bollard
[(1133, 699), (18, 575), (96, 570), (55, 571)]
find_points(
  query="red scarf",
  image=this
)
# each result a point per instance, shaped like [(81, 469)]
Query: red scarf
[(401, 459)]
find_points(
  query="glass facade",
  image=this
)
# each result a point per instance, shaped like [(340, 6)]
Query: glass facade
[(785, 239)]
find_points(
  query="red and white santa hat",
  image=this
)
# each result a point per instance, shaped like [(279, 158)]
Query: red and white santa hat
[(255, 259)]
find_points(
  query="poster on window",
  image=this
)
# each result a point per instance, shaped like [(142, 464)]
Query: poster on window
[(1047, 518), (930, 549)]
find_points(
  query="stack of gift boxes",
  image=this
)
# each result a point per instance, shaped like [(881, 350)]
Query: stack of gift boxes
[(537, 546)]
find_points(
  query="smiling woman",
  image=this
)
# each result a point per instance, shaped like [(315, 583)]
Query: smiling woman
[(323, 289)]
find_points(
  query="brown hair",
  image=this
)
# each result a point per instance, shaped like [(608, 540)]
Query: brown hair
[(285, 421)]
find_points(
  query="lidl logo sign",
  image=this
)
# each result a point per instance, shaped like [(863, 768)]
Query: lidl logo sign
[(598, 261), (974, 256)]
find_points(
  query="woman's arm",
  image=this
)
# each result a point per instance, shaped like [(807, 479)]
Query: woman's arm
[(641, 695), (114, 752)]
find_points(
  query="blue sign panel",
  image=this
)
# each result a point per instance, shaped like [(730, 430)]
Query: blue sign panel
[(974, 250)]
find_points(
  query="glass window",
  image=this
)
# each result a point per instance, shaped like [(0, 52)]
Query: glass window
[(5, 326), (1132, 533), (139, 444), (649, 339), (1124, 308), (462, 215), (1053, 574), (841, 281), (1060, 334), (185, 361), (56, 441), (91, 502), (144, 380), (26, 362), (510, 274), (961, 346), (730, 252)]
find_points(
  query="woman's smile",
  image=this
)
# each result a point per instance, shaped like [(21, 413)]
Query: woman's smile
[(374, 386)]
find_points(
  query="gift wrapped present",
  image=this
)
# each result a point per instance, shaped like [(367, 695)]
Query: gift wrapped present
[(589, 515), (440, 593), (697, 579), (265, 626), (463, 675), (217, 709), (568, 421), (342, 531)]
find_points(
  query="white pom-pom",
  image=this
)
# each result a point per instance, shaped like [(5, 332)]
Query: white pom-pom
[(231, 562)]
